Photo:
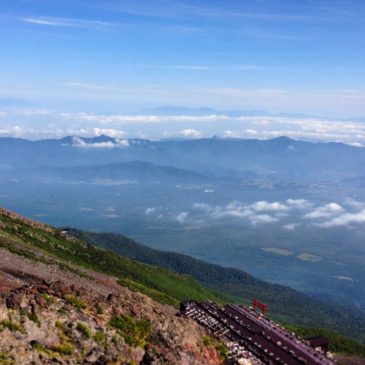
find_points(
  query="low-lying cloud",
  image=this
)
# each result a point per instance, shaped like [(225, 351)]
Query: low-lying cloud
[(260, 212), (291, 213), (344, 219), (325, 211), (181, 217), (266, 206), (117, 143)]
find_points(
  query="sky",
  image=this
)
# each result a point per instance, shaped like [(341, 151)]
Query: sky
[(87, 67)]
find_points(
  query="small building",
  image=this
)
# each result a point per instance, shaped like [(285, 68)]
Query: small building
[(319, 341)]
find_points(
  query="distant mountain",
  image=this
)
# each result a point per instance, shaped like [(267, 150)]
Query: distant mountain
[(285, 304), (134, 171), (280, 157)]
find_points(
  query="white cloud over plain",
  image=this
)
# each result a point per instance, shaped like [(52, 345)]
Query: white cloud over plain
[(190, 133), (344, 219), (150, 211), (263, 212), (260, 212), (299, 203), (290, 226), (181, 217), (325, 211), (266, 206)]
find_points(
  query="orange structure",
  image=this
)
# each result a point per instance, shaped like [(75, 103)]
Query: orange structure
[(258, 305)]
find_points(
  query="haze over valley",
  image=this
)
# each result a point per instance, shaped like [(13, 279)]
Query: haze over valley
[(281, 209)]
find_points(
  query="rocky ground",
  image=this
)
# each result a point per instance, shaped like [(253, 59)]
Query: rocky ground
[(53, 316), (55, 323)]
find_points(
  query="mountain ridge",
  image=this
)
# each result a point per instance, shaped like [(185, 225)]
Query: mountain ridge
[(281, 157), (287, 304)]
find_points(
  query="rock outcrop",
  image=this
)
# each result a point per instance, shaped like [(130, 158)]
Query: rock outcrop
[(55, 323)]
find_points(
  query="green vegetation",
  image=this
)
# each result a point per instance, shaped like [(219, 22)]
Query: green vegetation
[(64, 349), (99, 337), (134, 332), (171, 287), (59, 325), (83, 330), (219, 346), (76, 302), (222, 350), (39, 347), (285, 305), (99, 309), (12, 326), (337, 343), (162, 284), (5, 359), (48, 298), (34, 318), (207, 341)]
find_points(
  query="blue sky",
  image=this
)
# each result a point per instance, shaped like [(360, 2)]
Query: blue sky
[(124, 56)]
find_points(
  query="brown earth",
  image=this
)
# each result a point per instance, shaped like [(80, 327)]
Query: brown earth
[(52, 316)]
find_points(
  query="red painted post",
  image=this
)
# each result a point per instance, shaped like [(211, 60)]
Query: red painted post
[(258, 305)]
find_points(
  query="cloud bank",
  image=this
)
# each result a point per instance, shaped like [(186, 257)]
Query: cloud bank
[(117, 143), (42, 123), (302, 211)]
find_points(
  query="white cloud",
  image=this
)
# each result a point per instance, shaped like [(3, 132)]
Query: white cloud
[(231, 134), (266, 206), (290, 226), (64, 22), (114, 133), (193, 126), (87, 209), (110, 210), (263, 218), (88, 86), (325, 211), (190, 133), (254, 213), (264, 212), (202, 206), (252, 132), (33, 112), (355, 204), (181, 217), (345, 278), (111, 215), (118, 143), (299, 203), (356, 144), (345, 219), (13, 131), (150, 211), (140, 118)]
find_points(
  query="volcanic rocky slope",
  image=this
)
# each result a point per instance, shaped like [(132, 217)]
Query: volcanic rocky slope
[(52, 311)]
